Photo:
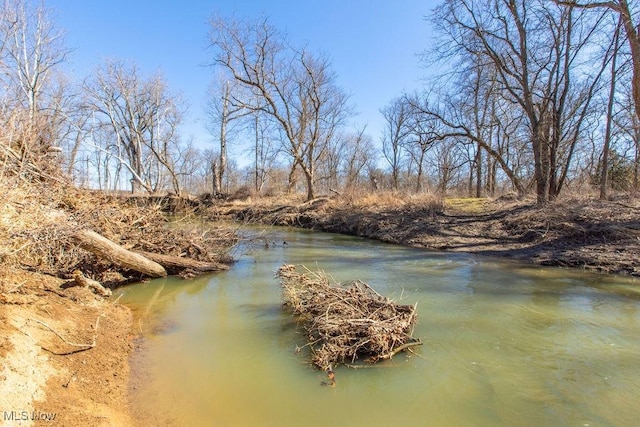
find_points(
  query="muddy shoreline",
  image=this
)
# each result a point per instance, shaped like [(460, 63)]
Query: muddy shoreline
[(593, 235), (65, 356), (64, 344)]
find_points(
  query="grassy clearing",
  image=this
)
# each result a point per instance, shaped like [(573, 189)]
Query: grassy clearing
[(469, 205)]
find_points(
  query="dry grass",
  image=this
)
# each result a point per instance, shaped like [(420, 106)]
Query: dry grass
[(469, 205), (388, 199)]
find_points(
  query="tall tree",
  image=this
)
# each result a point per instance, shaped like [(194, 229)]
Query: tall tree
[(613, 79), (454, 123), (138, 119), (31, 49), (293, 86), (631, 26), (421, 135), (534, 47), (223, 116), (34, 47), (395, 132)]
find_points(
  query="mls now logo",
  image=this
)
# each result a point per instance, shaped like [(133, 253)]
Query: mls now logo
[(28, 416)]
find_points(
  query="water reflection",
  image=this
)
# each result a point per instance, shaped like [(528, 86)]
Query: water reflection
[(505, 344)]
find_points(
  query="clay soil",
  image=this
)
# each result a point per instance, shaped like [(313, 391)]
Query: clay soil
[(64, 347), (584, 233), (64, 353)]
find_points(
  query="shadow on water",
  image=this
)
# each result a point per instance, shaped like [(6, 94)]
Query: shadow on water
[(504, 343)]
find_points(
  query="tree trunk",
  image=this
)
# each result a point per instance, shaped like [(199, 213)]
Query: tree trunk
[(105, 248), (310, 185), (223, 138), (479, 172), (604, 174), (171, 262), (540, 145), (634, 45), (292, 181), (215, 182)]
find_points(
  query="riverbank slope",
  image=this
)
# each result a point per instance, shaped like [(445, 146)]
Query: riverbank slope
[(583, 233), (64, 343)]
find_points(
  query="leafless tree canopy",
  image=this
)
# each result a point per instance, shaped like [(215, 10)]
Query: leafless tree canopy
[(293, 87), (530, 57), (33, 95), (135, 121), (534, 96)]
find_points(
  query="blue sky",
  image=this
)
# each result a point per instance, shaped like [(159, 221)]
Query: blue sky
[(373, 44)]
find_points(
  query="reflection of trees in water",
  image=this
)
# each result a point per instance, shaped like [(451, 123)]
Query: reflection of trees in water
[(149, 301)]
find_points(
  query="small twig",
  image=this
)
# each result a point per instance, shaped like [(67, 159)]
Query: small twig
[(299, 349), (410, 350), (399, 349), (65, 385), (20, 248), (15, 288), (82, 347), (117, 299), (353, 366)]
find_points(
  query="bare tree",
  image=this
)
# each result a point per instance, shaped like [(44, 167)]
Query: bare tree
[(136, 120), (630, 24), (534, 47), (361, 154), (34, 47), (31, 49), (294, 87), (604, 184), (446, 158), (454, 124), (265, 151), (627, 127), (396, 115), (422, 131), (223, 118)]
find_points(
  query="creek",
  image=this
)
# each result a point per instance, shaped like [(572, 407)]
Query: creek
[(505, 343)]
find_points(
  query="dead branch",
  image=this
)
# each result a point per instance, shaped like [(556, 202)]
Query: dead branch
[(170, 262), (345, 321), (399, 349), (81, 280)]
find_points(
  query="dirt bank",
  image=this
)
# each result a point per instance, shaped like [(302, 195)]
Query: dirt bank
[(584, 233), (64, 355), (64, 346)]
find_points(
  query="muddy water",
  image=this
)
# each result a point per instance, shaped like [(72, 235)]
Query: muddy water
[(504, 344)]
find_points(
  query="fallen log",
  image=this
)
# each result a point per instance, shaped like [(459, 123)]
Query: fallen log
[(105, 248), (171, 262)]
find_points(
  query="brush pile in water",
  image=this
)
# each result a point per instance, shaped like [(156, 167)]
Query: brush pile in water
[(348, 320)]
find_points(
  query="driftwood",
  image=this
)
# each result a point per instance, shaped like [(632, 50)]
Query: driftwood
[(171, 262), (105, 248), (345, 321), (81, 280)]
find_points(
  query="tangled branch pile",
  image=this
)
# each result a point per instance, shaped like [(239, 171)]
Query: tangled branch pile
[(348, 320), (39, 219)]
